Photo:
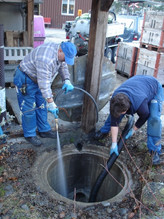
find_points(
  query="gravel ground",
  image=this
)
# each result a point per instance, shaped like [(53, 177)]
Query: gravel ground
[(20, 197)]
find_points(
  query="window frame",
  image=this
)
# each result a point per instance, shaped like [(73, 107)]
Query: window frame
[(68, 4)]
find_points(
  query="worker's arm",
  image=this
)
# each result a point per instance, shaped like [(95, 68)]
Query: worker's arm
[(114, 133), (65, 75), (143, 113), (114, 147), (49, 100)]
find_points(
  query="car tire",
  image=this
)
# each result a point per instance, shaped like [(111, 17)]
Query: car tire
[(114, 54), (111, 53)]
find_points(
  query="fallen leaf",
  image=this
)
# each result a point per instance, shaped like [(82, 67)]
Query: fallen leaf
[(13, 178), (1, 179), (131, 215), (62, 214)]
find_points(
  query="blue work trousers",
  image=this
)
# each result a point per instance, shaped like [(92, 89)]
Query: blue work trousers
[(32, 105), (154, 136)]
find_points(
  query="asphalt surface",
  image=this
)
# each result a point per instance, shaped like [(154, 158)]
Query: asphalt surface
[(55, 35)]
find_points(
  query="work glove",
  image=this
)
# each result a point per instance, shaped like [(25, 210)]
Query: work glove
[(67, 86), (114, 149), (1, 131), (53, 109), (130, 133)]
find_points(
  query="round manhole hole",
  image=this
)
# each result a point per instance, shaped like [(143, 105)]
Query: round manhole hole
[(81, 169)]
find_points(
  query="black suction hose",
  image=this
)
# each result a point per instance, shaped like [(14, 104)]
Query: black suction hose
[(77, 88), (110, 161)]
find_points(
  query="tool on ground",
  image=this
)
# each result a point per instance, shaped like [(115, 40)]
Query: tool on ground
[(56, 124)]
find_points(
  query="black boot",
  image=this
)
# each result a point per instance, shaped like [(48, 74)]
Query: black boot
[(34, 140), (49, 134), (99, 135)]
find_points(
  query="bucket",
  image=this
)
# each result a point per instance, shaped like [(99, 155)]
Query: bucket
[(39, 30)]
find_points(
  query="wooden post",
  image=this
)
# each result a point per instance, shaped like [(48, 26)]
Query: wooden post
[(97, 36), (30, 19)]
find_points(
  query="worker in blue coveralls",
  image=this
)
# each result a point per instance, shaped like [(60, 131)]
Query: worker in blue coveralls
[(33, 78), (142, 95)]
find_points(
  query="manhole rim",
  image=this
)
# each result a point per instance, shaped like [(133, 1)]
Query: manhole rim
[(48, 158)]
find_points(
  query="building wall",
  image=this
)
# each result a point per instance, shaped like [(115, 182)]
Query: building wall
[(11, 17), (52, 9)]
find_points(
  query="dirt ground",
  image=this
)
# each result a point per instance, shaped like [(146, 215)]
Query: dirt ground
[(22, 198)]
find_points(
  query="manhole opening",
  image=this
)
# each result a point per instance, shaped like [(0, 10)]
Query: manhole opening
[(81, 172), (80, 196)]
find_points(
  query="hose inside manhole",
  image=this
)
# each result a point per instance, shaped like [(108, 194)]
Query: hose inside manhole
[(76, 163), (110, 161), (85, 92), (81, 171)]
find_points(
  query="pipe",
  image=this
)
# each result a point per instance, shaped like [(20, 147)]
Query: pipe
[(78, 88), (110, 161), (2, 78)]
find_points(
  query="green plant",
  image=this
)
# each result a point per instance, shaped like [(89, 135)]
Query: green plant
[(1, 170), (71, 140), (2, 191)]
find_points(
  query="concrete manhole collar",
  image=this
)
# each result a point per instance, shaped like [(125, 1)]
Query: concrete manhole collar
[(81, 171)]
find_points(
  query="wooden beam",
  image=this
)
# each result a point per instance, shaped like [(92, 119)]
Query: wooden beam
[(97, 35), (13, 1), (30, 19), (9, 39), (106, 4)]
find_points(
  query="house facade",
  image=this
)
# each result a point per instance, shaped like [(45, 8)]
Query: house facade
[(60, 11)]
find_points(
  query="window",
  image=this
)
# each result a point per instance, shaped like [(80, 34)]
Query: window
[(68, 7)]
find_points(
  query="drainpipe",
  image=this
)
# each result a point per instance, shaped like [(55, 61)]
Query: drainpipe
[(2, 78)]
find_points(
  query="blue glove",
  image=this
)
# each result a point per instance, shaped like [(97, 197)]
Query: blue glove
[(1, 131), (67, 86), (53, 109), (114, 149), (130, 133)]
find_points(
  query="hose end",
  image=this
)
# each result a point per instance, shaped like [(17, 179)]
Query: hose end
[(56, 124)]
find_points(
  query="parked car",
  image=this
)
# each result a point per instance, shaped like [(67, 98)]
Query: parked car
[(133, 26)]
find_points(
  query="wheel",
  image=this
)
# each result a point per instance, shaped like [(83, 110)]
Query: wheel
[(108, 53), (111, 53), (114, 54)]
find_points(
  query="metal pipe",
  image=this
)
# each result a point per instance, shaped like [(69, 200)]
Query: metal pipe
[(2, 77)]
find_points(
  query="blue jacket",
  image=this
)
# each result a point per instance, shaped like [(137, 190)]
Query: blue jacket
[(140, 90)]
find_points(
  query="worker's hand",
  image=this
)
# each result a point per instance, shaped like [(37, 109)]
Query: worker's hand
[(53, 109), (114, 149), (67, 86), (130, 133)]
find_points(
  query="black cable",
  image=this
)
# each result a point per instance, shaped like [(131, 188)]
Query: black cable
[(80, 89), (111, 161)]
